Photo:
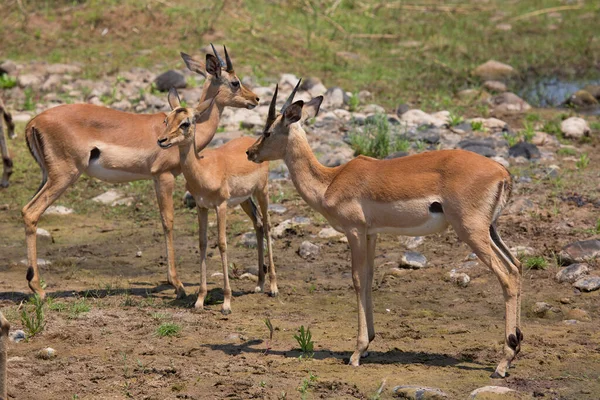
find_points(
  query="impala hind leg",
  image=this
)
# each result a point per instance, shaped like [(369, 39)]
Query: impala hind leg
[(203, 242), (163, 185), (6, 160), (222, 226), (262, 197), (371, 243), (360, 276), (250, 209), (481, 240), (51, 190)]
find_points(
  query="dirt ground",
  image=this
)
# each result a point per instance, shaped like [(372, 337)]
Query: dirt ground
[(428, 330)]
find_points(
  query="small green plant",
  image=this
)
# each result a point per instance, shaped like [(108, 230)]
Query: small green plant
[(535, 262), (566, 151), (532, 117), (56, 305), (306, 384), (583, 161), (79, 307), (552, 128), (168, 329), (32, 316), (454, 119), (528, 132), (304, 339), (510, 139), (353, 102), (28, 103), (271, 330), (595, 126), (477, 126), (378, 138), (7, 82)]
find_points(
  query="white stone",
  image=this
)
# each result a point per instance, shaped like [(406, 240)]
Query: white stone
[(493, 69), (490, 389), (43, 235), (288, 80), (308, 250), (418, 117), (46, 354), (491, 124), (109, 197), (575, 128), (327, 233), (58, 210), (460, 278), (373, 109), (40, 262), (413, 259), (571, 273), (125, 201), (317, 90), (21, 117), (27, 80), (502, 161)]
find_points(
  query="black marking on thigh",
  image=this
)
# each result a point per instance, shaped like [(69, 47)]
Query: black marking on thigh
[(436, 207), (265, 268), (513, 342), (29, 275), (7, 162), (519, 335), (94, 154)]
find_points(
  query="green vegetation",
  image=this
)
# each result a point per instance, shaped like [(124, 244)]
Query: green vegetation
[(477, 126), (535, 262), (7, 82), (304, 339), (583, 162), (422, 49), (79, 307), (378, 138), (454, 119), (168, 329), (32, 316), (566, 151), (306, 384)]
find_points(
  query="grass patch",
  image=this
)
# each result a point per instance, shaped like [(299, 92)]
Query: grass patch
[(535, 262), (32, 316), (168, 329), (377, 138), (304, 339), (79, 307)]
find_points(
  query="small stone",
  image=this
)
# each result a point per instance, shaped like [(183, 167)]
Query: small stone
[(501, 160), (588, 284), (108, 197), (170, 79), (125, 201), (482, 147), (138, 254), (277, 208), (578, 314), (8, 67), (250, 277), (491, 124), (44, 235), (413, 259), (459, 278), (328, 233), (492, 70), (575, 128), (188, 200), (29, 80), (571, 273), (418, 118), (248, 239), (411, 242), (540, 309), (334, 98), (494, 392), (566, 300), (40, 262), (495, 86), (21, 117), (524, 149), (46, 354), (122, 105), (287, 225), (581, 99), (373, 109), (570, 321), (216, 275), (580, 251), (508, 103), (395, 271), (58, 210), (523, 251), (17, 336), (52, 83), (418, 393), (308, 250)]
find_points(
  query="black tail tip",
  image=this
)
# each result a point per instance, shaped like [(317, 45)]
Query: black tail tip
[(29, 275)]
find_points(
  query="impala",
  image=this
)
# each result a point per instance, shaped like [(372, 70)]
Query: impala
[(4, 328), (116, 146), (6, 160), (414, 196), (218, 178)]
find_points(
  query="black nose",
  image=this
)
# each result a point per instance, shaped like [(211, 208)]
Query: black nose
[(257, 99), (247, 152)]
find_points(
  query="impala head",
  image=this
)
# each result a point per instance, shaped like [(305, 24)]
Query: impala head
[(180, 123), (272, 145), (223, 79)]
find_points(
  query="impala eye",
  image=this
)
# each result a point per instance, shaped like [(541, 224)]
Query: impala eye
[(185, 125), (267, 133), (235, 84)]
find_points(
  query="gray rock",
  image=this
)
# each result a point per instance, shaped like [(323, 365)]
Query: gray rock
[(155, 102), (495, 86), (328, 233), (308, 250), (40, 262), (109, 197), (373, 109), (571, 273), (46, 354), (248, 239), (334, 98), (17, 336), (418, 118), (58, 210), (524, 149), (509, 102), (310, 82), (287, 225), (8, 67), (413, 259), (402, 108), (411, 242), (122, 105), (581, 251), (188, 200), (494, 392), (540, 309), (425, 133), (53, 82), (484, 147), (575, 128), (418, 393), (62, 69), (29, 80), (44, 235), (277, 208), (581, 99), (588, 284), (494, 70), (170, 79), (459, 278)]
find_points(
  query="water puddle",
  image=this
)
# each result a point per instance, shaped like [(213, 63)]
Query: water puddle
[(551, 92)]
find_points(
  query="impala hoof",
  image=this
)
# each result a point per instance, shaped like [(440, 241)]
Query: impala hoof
[(258, 289), (225, 311), (274, 293), (497, 375)]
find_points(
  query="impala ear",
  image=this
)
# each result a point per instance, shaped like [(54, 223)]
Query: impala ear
[(193, 65), (213, 66), (311, 109), (293, 113), (173, 99)]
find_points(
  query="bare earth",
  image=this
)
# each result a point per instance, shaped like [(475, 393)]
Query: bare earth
[(428, 330)]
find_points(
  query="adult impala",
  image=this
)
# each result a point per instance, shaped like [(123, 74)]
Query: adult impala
[(218, 178), (116, 146), (413, 196), (6, 160)]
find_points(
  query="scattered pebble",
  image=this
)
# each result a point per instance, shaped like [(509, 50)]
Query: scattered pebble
[(418, 393), (413, 259), (328, 233), (308, 250), (588, 284), (17, 336), (46, 354), (571, 273)]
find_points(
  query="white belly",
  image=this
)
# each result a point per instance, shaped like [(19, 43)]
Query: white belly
[(236, 201), (96, 170), (435, 224), (407, 218)]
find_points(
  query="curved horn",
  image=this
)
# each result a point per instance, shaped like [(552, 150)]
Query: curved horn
[(291, 98), (217, 55), (228, 60), (272, 107)]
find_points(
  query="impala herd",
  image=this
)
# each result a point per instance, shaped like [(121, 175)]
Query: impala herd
[(414, 195)]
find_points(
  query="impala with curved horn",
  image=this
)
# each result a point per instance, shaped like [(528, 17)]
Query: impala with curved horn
[(218, 178), (6, 160), (116, 146), (414, 196)]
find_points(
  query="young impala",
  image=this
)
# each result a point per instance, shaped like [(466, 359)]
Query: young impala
[(116, 146), (6, 160), (218, 178), (414, 196)]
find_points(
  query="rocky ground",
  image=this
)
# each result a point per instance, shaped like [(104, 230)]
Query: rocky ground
[(438, 311)]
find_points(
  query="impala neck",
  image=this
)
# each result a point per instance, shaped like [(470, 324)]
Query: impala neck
[(310, 177), (207, 126)]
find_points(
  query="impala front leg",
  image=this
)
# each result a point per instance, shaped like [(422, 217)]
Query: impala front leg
[(222, 224), (203, 241), (360, 276), (164, 184)]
